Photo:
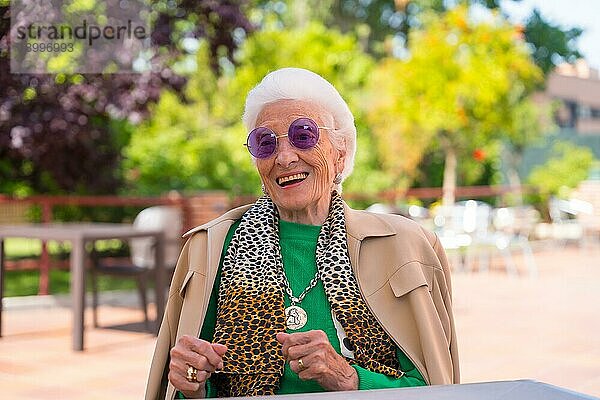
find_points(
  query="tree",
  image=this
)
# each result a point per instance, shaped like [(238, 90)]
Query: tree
[(551, 43), (384, 26), (375, 22), (529, 123), (459, 88), (568, 165), (187, 145), (63, 133), (197, 143)]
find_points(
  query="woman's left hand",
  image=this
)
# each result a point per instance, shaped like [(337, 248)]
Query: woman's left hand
[(312, 357)]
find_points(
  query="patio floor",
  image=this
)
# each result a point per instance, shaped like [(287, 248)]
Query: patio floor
[(545, 328)]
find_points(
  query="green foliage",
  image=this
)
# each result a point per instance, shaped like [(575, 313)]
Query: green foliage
[(368, 177), (26, 282), (289, 13), (64, 133), (455, 86), (383, 26), (180, 149), (551, 44), (187, 145), (18, 248), (481, 167), (529, 122), (568, 166), (335, 56), (457, 90), (197, 143)]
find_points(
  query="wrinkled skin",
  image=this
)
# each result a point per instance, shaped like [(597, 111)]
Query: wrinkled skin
[(204, 356), (321, 362), (308, 201)]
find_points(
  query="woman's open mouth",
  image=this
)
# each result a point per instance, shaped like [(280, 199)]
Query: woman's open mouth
[(292, 179)]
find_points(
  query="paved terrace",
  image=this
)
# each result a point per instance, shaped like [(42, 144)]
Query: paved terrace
[(545, 328)]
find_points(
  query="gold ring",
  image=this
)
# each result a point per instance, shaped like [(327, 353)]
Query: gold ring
[(301, 365), (192, 374)]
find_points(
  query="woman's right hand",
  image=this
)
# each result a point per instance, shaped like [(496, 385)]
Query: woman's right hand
[(206, 357)]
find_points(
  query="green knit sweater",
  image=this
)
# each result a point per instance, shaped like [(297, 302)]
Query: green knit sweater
[(298, 246)]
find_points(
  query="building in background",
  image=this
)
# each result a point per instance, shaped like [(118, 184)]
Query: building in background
[(575, 91), (577, 88)]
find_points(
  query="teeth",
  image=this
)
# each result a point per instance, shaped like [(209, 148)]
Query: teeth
[(285, 179)]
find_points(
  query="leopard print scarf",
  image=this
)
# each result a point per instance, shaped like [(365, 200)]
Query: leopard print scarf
[(251, 303)]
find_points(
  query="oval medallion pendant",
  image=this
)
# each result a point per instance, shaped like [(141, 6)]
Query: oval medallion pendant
[(295, 317)]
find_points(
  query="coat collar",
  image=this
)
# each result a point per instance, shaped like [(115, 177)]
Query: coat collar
[(362, 224)]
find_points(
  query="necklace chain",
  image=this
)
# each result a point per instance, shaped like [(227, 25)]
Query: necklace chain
[(288, 290)]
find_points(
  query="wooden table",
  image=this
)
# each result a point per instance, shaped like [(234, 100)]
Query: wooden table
[(80, 234)]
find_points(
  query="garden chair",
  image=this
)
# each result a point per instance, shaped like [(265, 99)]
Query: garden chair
[(566, 227), (141, 266), (466, 230), (513, 228)]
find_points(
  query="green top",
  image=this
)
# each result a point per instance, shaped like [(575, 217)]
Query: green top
[(298, 246)]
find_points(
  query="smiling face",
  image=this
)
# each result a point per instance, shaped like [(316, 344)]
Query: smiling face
[(299, 181)]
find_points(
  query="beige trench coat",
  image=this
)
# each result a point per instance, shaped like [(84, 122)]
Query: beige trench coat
[(401, 269)]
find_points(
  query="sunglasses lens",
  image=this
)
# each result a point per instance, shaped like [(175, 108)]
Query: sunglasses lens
[(261, 142), (304, 133)]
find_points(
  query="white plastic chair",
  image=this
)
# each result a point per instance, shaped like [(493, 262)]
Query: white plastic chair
[(513, 227), (167, 218), (141, 268), (566, 216), (466, 228)]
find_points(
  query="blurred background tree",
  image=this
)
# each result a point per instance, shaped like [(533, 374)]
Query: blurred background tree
[(569, 165), (462, 93), (197, 144), (189, 145), (383, 29), (551, 43), (530, 122), (383, 26), (64, 133), (177, 126)]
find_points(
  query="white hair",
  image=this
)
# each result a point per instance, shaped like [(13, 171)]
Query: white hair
[(302, 84)]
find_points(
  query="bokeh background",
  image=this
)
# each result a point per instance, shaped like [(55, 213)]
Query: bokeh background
[(492, 100)]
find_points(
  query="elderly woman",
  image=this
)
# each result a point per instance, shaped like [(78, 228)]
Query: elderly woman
[(298, 292)]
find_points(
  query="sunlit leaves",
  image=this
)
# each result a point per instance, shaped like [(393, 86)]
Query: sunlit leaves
[(568, 165), (197, 144), (459, 85)]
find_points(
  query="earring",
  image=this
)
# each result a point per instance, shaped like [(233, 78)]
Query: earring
[(264, 189), (338, 179)]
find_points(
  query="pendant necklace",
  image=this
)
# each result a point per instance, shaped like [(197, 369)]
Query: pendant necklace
[(295, 316)]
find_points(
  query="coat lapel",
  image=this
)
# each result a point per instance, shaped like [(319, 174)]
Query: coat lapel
[(204, 261)]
